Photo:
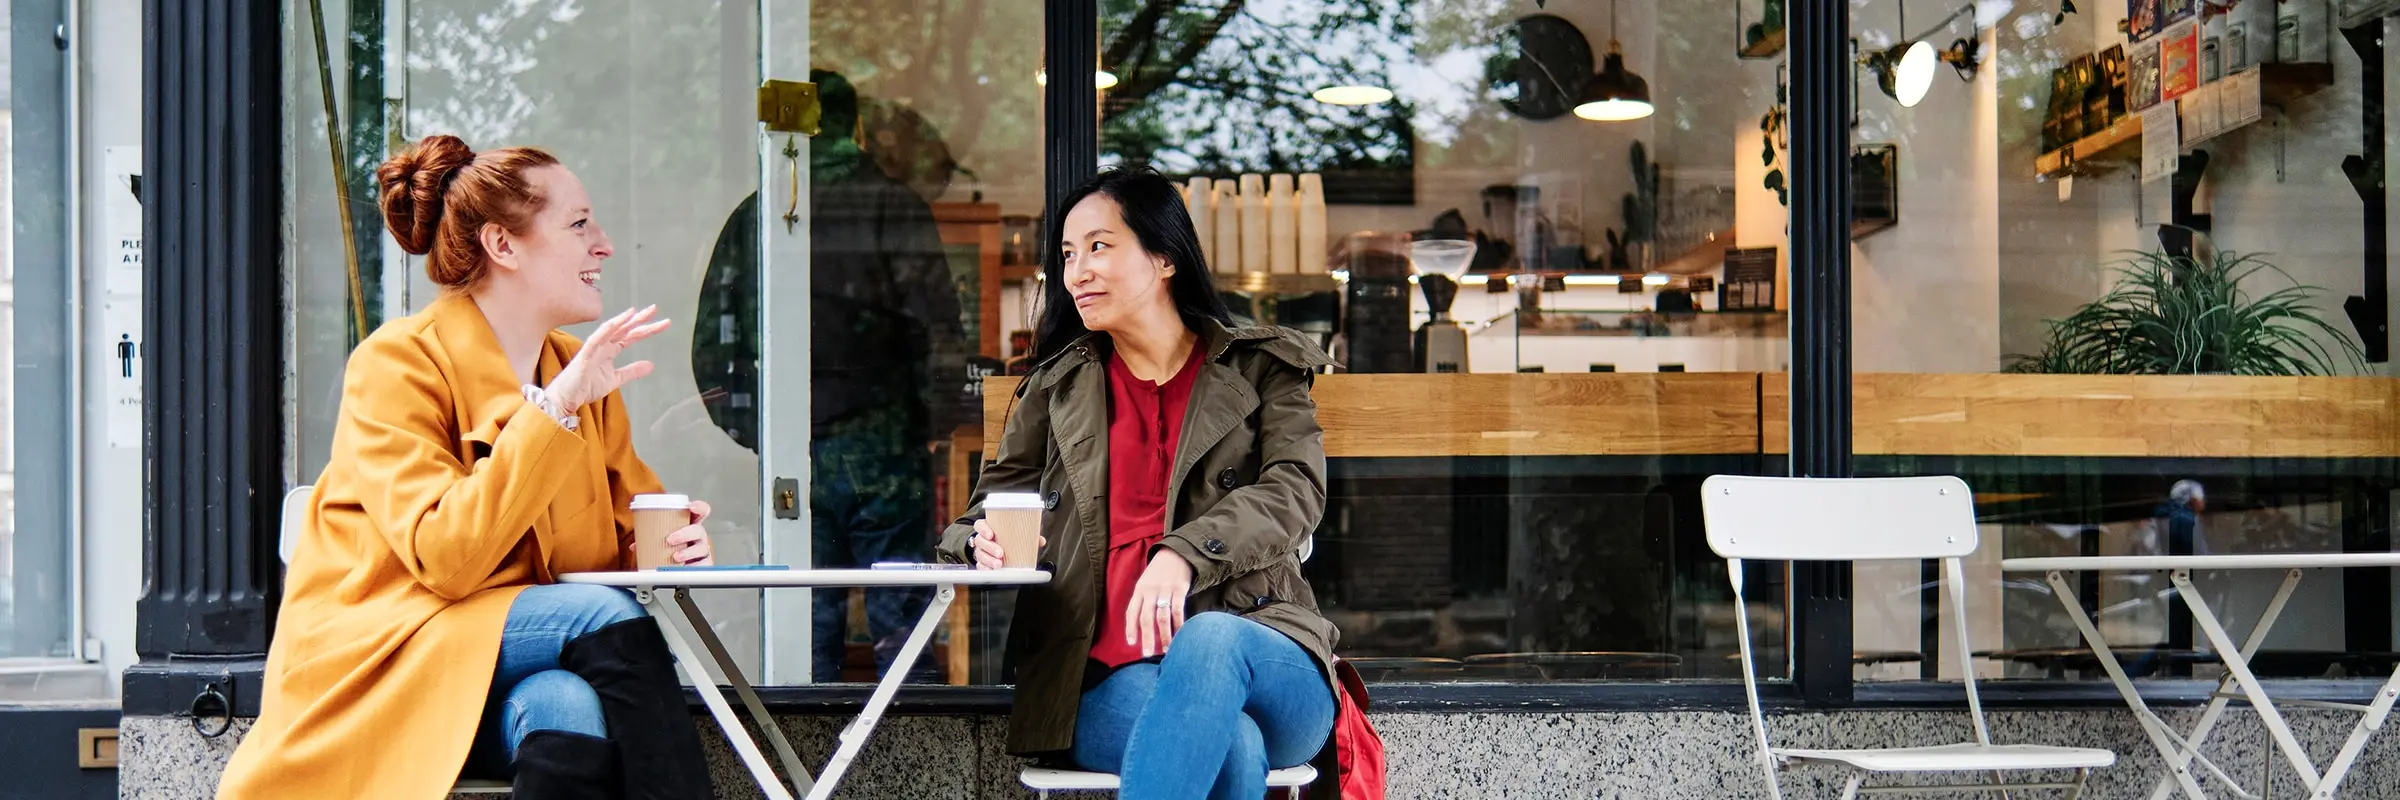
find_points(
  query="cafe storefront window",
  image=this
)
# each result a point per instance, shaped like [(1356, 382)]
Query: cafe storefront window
[(2131, 284), (1538, 242), (1550, 249)]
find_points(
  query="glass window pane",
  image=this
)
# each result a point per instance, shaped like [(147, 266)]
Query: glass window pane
[(1551, 327), (2115, 274), (929, 163), (927, 206), (36, 392), (651, 106)]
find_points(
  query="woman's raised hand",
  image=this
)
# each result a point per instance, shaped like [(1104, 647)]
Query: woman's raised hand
[(595, 372)]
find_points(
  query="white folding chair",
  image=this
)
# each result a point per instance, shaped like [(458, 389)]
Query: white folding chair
[(1044, 780), (1868, 519), (295, 511)]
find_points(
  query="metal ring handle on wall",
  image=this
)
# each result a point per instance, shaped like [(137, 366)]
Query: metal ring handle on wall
[(199, 720)]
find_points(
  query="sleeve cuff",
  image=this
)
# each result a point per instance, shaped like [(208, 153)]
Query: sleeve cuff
[(1207, 571)]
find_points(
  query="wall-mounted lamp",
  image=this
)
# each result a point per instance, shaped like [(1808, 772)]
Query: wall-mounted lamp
[(1904, 71)]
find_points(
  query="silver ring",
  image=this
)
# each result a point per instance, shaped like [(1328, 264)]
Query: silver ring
[(1162, 602)]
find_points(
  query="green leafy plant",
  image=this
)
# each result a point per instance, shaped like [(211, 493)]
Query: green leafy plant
[(2173, 315), (1771, 124)]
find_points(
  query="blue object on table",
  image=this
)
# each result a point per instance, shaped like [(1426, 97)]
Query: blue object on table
[(721, 567)]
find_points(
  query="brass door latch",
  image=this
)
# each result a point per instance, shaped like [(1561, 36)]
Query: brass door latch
[(789, 107)]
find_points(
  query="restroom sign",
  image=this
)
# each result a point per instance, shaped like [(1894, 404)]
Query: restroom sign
[(118, 349), (121, 221)]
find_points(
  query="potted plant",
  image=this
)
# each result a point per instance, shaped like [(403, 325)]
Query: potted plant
[(2176, 315)]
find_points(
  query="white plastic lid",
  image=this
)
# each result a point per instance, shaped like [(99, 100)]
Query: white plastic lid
[(662, 502), (1013, 501)]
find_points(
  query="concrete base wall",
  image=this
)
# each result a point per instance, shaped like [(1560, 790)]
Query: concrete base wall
[(1699, 755)]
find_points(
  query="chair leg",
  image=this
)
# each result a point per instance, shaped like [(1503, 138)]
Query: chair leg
[(1850, 792)]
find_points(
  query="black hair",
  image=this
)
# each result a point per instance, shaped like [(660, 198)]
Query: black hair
[(1154, 210), (837, 102)]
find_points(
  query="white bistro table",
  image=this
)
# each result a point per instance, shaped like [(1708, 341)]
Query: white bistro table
[(667, 594), (2179, 751)]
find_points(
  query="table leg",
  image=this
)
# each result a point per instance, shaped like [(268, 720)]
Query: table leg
[(2376, 712), (2239, 665), (2152, 726), (2218, 699), (960, 635), (741, 689), (674, 626), (856, 733)]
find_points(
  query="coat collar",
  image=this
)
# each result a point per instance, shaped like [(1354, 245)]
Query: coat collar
[(1221, 398), (485, 386), (1216, 337)]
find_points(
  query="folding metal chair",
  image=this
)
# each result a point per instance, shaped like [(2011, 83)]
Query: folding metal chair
[(1869, 519)]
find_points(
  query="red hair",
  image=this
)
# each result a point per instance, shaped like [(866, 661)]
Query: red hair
[(437, 195)]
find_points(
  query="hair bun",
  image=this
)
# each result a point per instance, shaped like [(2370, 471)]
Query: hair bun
[(410, 189)]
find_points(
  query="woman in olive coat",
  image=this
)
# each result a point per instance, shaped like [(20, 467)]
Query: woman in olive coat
[(1183, 470)]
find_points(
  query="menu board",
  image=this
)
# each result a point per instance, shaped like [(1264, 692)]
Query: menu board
[(1749, 280)]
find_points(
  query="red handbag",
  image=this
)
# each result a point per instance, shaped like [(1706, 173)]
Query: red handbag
[(1358, 750)]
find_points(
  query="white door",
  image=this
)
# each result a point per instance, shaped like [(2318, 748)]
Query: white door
[(654, 105)]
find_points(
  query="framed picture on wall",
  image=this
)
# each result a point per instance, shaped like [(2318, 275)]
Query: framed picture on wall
[(2141, 77), (2174, 11), (2179, 61), (2141, 19)]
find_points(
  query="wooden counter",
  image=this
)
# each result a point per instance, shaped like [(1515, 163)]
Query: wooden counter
[(2125, 415), (1619, 414)]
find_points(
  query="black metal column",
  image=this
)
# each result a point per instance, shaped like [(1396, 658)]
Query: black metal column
[(2370, 313), (1820, 313), (212, 415), (1071, 99)]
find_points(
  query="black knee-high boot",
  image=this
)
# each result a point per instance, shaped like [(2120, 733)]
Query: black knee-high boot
[(558, 765), (630, 668)]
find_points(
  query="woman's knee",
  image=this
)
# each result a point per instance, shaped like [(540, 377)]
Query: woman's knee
[(553, 700), (594, 607), (1211, 633)]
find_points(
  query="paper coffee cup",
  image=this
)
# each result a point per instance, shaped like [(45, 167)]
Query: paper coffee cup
[(1016, 519), (655, 516)]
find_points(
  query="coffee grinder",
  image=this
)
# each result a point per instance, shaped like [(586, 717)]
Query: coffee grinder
[(1441, 344)]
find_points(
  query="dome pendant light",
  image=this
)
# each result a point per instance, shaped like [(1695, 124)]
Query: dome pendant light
[(1615, 94)]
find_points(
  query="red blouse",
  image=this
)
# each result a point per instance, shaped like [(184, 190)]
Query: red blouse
[(1145, 422)]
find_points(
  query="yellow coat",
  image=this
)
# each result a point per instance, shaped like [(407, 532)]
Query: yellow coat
[(447, 494)]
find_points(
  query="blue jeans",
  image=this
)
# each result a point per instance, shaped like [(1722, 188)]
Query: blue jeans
[(1231, 700), (529, 691)]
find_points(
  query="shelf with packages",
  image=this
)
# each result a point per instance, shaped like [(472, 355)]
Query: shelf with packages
[(1733, 324), (1701, 258), (2120, 143), (1279, 284)]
